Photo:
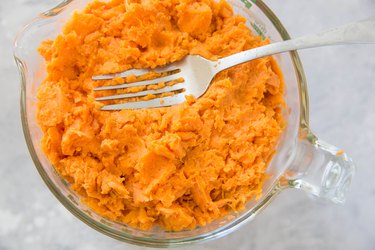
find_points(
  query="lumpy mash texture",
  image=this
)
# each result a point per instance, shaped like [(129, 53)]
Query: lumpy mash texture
[(176, 167)]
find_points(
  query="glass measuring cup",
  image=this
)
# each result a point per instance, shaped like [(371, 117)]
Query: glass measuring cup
[(302, 160)]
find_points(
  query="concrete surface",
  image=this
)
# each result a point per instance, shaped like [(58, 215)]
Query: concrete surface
[(342, 90)]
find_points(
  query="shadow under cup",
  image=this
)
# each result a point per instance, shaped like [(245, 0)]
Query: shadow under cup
[(302, 161)]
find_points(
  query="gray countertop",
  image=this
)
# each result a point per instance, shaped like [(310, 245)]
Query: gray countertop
[(342, 107)]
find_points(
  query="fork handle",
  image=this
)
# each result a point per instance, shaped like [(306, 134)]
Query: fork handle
[(353, 33)]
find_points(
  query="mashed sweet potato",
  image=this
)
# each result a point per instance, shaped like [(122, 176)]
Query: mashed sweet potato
[(177, 167)]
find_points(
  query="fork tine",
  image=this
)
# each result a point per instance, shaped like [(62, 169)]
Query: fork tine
[(175, 87), (141, 83), (154, 103), (136, 72)]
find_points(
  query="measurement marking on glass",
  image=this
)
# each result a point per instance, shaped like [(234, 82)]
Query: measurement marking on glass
[(248, 3)]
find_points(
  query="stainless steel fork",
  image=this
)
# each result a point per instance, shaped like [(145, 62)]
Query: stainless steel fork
[(197, 72)]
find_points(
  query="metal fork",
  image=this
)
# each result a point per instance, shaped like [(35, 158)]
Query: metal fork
[(197, 72)]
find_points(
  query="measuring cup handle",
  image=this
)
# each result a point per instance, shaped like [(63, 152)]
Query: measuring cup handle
[(320, 169)]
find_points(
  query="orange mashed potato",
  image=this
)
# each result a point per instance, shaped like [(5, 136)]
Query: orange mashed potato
[(176, 167)]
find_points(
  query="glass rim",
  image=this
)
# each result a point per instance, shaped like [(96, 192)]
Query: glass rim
[(153, 242)]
